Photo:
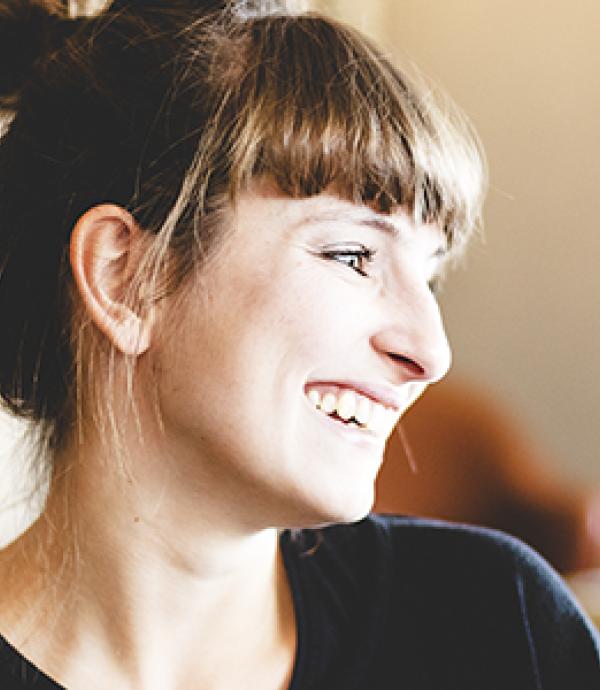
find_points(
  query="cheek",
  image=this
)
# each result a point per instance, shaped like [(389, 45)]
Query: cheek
[(339, 313), (308, 323)]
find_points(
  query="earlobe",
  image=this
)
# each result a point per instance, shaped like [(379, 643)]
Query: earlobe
[(103, 261)]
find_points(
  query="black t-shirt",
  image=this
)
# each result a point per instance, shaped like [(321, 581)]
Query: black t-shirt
[(393, 603)]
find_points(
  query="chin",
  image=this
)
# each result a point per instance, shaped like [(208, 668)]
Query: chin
[(356, 514), (342, 510)]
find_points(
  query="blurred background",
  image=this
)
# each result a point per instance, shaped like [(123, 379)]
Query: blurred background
[(523, 313)]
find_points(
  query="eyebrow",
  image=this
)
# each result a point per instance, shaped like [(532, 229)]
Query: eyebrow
[(381, 224)]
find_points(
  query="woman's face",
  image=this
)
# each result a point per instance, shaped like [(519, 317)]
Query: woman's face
[(302, 344)]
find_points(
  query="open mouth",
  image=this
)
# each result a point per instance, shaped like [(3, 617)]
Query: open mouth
[(351, 408)]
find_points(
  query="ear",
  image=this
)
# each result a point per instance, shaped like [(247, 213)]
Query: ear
[(103, 261)]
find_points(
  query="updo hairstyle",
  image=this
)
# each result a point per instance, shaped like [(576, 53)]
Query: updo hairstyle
[(170, 110)]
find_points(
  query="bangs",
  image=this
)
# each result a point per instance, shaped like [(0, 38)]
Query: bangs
[(312, 105)]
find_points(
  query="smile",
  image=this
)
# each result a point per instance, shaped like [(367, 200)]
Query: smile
[(352, 408)]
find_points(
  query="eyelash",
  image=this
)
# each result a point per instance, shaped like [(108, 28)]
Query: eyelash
[(351, 254)]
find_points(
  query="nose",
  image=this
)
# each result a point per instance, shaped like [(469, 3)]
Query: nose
[(413, 341)]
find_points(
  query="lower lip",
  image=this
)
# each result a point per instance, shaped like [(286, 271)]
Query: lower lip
[(353, 434)]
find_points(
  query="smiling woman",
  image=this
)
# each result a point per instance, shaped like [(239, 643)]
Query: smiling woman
[(220, 228)]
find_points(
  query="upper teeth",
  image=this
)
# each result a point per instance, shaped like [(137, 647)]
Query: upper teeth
[(349, 404)]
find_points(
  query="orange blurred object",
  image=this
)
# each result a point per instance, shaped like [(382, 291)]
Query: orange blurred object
[(474, 463)]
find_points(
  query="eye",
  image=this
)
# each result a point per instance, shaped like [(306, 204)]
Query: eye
[(355, 256)]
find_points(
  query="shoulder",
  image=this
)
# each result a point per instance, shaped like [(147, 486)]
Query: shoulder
[(423, 544), (472, 560), (471, 598), (484, 577)]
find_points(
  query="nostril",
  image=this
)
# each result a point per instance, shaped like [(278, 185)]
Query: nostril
[(414, 367)]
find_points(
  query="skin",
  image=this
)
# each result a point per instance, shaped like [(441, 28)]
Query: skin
[(183, 554)]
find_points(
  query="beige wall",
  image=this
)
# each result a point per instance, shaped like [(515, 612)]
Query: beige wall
[(525, 318)]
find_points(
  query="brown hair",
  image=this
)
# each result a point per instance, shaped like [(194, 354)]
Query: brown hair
[(170, 109)]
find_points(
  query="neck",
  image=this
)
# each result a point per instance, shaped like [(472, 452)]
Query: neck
[(147, 580)]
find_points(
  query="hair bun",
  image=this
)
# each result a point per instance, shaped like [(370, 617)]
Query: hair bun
[(28, 31)]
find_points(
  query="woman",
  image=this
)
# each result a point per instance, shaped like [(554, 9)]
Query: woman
[(220, 231)]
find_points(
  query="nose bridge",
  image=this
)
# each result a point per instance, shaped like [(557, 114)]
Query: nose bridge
[(414, 337)]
